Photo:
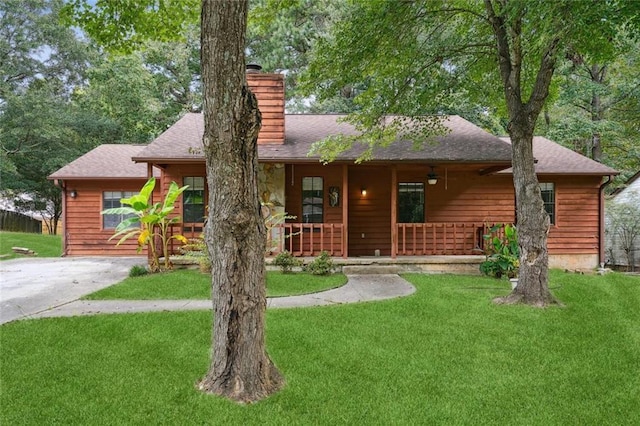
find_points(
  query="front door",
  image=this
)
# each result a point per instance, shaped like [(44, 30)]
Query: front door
[(369, 210)]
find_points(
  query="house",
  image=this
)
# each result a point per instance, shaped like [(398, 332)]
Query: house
[(629, 235), (404, 204)]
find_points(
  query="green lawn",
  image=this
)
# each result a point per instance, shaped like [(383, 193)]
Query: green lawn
[(445, 355), (190, 284), (43, 245)]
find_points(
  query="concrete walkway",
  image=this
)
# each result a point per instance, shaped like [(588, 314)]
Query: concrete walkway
[(47, 287), (359, 288)]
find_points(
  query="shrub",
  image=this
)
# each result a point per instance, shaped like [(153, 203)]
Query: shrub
[(196, 250), (138, 271), (503, 253), (321, 265), (286, 261)]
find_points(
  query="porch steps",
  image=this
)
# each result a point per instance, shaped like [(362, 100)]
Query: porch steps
[(411, 264)]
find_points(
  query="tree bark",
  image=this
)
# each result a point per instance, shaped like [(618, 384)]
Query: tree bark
[(240, 368), (532, 219)]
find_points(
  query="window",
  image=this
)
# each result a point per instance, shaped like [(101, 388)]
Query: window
[(411, 202), (110, 200), (312, 199), (193, 200), (549, 198)]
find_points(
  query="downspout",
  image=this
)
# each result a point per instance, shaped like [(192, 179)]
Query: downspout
[(601, 245), (63, 188)]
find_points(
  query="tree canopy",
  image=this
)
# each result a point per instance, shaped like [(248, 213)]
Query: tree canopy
[(409, 57)]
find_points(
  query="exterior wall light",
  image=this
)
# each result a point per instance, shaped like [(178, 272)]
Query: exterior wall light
[(363, 191), (432, 178), (73, 193)]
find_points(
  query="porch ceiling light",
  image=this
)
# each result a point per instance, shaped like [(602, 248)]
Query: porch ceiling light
[(432, 178), (363, 191)]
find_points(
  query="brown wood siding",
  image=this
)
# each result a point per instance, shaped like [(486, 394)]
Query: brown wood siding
[(370, 214), (269, 90), (577, 215), (85, 235), (465, 196)]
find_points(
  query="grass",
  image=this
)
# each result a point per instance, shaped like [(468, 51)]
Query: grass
[(445, 355), (43, 245), (190, 284)]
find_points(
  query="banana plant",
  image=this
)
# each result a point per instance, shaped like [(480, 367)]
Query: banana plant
[(147, 221)]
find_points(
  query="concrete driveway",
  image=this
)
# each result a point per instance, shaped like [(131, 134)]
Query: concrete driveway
[(29, 286)]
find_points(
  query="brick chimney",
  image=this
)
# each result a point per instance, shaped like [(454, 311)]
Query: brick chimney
[(269, 90)]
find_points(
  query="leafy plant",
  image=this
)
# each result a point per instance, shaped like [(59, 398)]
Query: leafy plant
[(153, 220), (196, 249), (502, 252), (137, 271), (286, 261), (321, 265)]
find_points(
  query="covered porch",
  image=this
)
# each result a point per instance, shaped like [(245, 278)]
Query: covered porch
[(391, 210)]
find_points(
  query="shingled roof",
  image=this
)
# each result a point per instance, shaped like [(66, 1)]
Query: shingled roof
[(464, 143), (554, 158), (108, 161)]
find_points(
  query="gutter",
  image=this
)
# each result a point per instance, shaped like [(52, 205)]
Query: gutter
[(63, 188), (601, 254)]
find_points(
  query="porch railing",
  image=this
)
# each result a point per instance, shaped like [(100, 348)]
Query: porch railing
[(307, 239), (412, 239), (440, 238)]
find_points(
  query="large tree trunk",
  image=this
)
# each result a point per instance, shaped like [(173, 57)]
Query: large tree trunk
[(236, 236), (532, 223)]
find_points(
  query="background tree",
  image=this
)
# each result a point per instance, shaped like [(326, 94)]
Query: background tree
[(33, 45), (597, 107), (412, 55), (623, 227)]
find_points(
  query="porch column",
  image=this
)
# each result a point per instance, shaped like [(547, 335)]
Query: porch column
[(345, 211), (394, 210)]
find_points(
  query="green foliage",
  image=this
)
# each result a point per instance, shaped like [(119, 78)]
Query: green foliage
[(321, 265), (123, 26), (149, 221), (599, 104), (196, 249), (281, 35), (286, 261), (502, 253), (138, 271)]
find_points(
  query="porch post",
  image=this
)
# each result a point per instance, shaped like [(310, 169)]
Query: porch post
[(149, 176), (345, 211), (394, 210)]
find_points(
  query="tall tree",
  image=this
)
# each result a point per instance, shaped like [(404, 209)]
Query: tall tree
[(34, 45), (411, 54), (41, 61), (240, 367), (236, 234), (597, 111)]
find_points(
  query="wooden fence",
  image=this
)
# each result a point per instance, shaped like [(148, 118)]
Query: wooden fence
[(17, 222)]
